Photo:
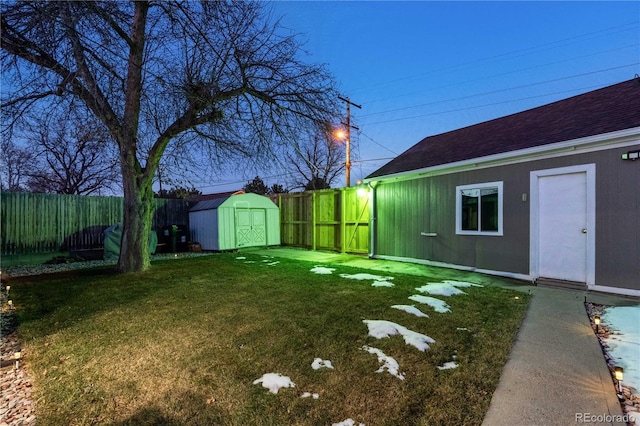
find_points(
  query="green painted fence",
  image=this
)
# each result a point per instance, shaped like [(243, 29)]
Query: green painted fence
[(42, 223), (330, 219)]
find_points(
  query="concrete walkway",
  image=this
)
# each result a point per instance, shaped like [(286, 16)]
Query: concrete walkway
[(556, 373)]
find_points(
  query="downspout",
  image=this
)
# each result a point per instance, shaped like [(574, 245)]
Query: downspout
[(372, 220)]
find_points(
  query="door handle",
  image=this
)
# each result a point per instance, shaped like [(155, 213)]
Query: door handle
[(584, 230)]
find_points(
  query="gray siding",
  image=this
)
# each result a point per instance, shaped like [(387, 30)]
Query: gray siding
[(404, 209)]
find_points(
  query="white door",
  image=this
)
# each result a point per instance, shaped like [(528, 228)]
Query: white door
[(563, 223), (563, 227)]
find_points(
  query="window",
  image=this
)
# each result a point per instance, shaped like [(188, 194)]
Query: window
[(479, 209)]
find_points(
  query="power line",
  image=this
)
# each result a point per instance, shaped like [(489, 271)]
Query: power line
[(477, 95), (536, 48), (484, 105), (458, 83), (378, 143)]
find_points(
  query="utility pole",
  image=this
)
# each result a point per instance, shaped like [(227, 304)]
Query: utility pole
[(348, 136)]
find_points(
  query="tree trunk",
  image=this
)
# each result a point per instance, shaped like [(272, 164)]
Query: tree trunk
[(138, 216)]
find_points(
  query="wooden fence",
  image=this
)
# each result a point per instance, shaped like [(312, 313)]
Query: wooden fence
[(331, 219), (40, 223)]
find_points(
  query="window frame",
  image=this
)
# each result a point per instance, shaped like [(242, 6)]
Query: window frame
[(479, 186)]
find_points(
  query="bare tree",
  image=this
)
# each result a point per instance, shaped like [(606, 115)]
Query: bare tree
[(73, 154), (317, 165), (16, 166), (215, 75)]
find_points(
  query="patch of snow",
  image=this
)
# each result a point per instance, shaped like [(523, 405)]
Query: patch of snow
[(319, 363), (440, 289), (446, 288), (462, 329), (448, 365), (437, 304), (388, 363), (274, 381), (240, 258), (249, 261), (624, 340), (411, 309), (382, 284), (273, 263), (366, 277), (322, 270), (310, 395), (348, 422), (381, 329)]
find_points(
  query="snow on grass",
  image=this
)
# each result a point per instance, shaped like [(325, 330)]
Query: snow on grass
[(240, 258), (437, 304), (440, 289), (446, 288), (322, 270), (348, 422), (448, 365), (364, 276), (274, 381), (388, 363), (310, 395), (381, 329), (382, 284), (320, 363), (411, 309), (624, 341)]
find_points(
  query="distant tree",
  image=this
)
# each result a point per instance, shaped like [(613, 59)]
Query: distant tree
[(16, 164), (256, 186), (73, 154), (179, 193), (315, 183), (276, 188), (318, 164), (215, 76)]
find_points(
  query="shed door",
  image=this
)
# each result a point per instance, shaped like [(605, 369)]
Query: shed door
[(562, 225), (250, 227)]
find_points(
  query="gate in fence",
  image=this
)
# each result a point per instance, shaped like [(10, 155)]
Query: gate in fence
[(331, 219)]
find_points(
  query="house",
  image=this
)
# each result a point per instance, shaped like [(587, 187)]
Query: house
[(550, 195)]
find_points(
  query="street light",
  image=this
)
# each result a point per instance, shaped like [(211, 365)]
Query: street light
[(346, 134)]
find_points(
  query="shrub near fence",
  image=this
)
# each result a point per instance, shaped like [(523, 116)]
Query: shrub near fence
[(41, 223)]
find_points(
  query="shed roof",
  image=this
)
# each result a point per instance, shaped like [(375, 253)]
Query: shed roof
[(249, 200), (605, 110)]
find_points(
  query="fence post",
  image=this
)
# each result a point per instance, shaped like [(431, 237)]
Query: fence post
[(313, 221), (343, 223)]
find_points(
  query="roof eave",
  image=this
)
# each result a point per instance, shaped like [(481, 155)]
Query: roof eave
[(590, 143)]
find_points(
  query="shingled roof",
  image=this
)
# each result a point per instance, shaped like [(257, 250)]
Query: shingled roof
[(601, 111)]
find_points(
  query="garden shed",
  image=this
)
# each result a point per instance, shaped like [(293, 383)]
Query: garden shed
[(235, 221)]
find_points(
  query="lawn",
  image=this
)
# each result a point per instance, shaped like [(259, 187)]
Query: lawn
[(183, 343)]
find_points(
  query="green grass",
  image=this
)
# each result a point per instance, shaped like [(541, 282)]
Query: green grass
[(182, 343)]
